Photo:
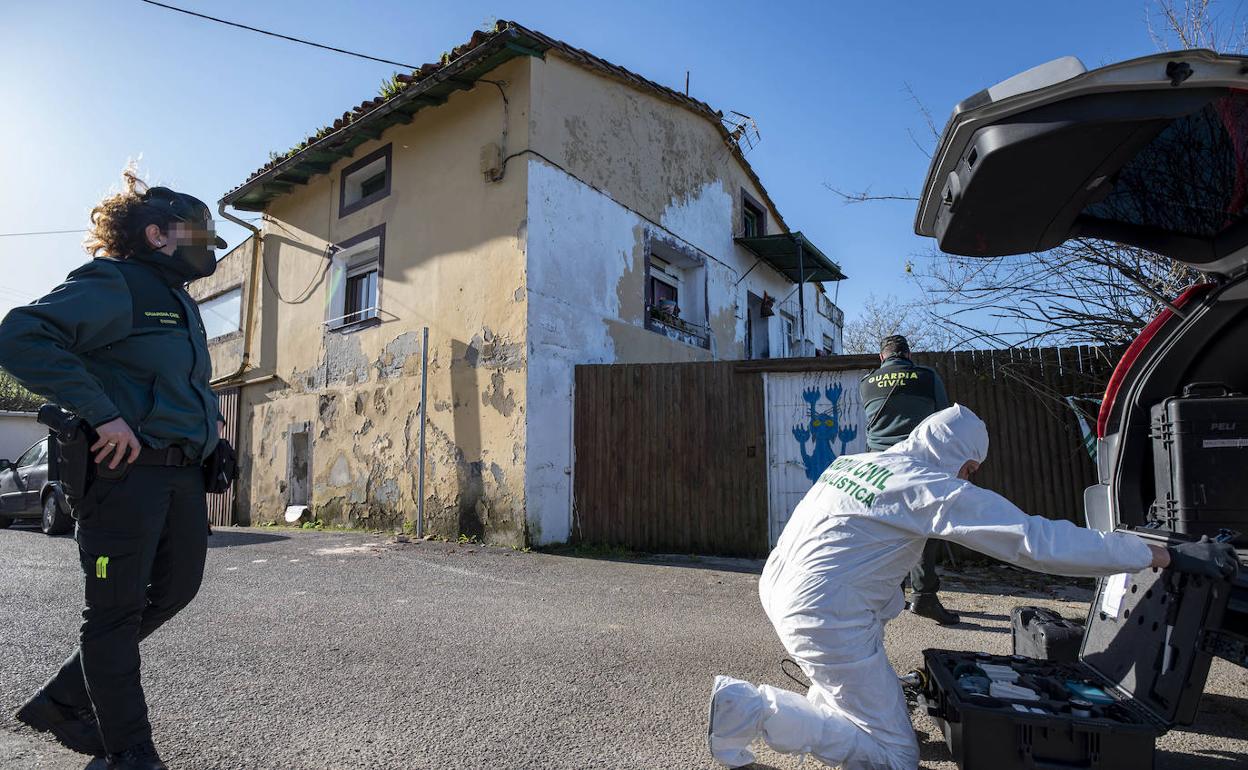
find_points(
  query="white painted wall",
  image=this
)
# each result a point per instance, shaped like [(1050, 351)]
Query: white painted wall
[(18, 430), (817, 324), (800, 442), (579, 245)]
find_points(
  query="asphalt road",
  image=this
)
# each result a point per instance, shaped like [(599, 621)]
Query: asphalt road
[(323, 650)]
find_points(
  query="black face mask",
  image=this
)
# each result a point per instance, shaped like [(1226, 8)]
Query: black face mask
[(193, 260)]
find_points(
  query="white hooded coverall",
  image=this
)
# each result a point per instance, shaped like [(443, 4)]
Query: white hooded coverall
[(834, 580)]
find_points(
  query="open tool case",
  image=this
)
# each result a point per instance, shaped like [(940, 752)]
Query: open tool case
[(1142, 657)]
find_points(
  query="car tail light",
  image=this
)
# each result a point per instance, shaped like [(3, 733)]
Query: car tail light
[(1136, 347)]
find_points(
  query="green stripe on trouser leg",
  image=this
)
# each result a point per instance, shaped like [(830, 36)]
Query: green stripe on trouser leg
[(101, 567)]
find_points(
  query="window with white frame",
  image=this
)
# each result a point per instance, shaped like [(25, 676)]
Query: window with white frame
[(222, 314), (788, 328), (361, 292), (665, 282), (356, 274), (675, 292), (364, 182)]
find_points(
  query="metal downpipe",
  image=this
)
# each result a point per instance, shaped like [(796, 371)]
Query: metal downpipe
[(253, 293)]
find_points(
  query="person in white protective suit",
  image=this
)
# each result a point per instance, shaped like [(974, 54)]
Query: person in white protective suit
[(833, 580)]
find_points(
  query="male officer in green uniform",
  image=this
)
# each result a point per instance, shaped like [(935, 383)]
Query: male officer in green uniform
[(121, 344), (897, 397)]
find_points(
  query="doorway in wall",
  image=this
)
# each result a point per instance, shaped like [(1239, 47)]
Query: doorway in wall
[(757, 329), (298, 474)]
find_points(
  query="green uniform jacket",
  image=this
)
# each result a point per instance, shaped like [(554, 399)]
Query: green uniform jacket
[(897, 397), (120, 338)]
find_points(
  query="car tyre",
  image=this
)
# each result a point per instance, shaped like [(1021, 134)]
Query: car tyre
[(55, 520), (5, 521)]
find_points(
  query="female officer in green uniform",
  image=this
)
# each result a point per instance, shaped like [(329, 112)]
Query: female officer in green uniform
[(120, 343)]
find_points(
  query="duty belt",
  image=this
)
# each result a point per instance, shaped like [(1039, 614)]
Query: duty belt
[(171, 457)]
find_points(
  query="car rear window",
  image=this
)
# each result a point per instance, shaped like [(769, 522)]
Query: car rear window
[(1192, 179)]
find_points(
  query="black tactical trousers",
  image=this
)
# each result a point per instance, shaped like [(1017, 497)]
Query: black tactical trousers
[(142, 542), (923, 578)]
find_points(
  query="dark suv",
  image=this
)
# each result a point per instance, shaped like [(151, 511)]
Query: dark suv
[(29, 489), (1152, 153)]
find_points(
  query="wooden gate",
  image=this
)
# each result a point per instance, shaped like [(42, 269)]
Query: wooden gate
[(221, 506), (674, 457), (670, 457)]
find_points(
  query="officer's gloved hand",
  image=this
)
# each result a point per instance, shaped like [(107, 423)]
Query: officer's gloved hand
[(1205, 557)]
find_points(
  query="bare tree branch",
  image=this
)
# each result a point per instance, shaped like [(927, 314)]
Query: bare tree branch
[(925, 112), (1195, 24), (866, 195), (918, 145), (880, 317)]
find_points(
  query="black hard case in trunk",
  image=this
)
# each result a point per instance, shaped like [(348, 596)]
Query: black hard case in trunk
[(1200, 455), (1148, 657), (1041, 633)]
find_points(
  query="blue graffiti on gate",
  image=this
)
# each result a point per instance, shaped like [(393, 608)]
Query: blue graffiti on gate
[(823, 429)]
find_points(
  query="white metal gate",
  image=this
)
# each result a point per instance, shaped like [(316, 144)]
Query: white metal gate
[(812, 418)]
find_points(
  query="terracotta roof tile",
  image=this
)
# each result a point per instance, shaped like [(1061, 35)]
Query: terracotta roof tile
[(475, 42)]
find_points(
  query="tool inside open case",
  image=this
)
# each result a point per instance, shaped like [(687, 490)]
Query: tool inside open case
[(1141, 670), (1029, 686)]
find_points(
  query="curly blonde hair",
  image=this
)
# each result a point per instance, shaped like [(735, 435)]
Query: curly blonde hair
[(118, 222)]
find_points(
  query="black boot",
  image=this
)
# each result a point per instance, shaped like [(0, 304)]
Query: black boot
[(141, 756), (929, 606), (75, 728)]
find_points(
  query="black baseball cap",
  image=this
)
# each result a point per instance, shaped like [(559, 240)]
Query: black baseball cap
[(183, 207)]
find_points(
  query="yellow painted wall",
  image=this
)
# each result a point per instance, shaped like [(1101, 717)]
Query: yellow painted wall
[(454, 262)]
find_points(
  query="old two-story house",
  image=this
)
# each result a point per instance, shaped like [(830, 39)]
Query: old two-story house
[(534, 207)]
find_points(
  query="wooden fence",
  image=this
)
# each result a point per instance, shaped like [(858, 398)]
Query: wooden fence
[(672, 457), (221, 506), (1037, 456)]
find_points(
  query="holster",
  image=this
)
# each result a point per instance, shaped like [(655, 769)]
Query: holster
[(221, 468), (73, 437)]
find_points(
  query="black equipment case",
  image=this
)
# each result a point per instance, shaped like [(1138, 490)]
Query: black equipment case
[(1043, 634), (1200, 454), (1142, 651)]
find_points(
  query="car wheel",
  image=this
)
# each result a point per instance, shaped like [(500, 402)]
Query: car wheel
[(55, 520), (5, 521)]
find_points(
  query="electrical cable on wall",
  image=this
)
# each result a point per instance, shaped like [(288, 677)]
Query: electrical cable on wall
[(502, 145), (306, 293), (600, 191)]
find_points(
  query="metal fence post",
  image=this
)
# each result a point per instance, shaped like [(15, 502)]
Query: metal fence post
[(424, 401)]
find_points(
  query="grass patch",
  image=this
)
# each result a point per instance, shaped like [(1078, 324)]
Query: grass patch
[(593, 551)]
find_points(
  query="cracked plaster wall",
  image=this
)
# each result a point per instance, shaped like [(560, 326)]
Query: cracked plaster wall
[(640, 170), (453, 261)]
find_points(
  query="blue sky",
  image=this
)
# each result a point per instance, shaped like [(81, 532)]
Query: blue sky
[(86, 85)]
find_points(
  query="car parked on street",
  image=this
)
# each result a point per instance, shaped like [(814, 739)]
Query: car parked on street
[(29, 489), (1152, 153)]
